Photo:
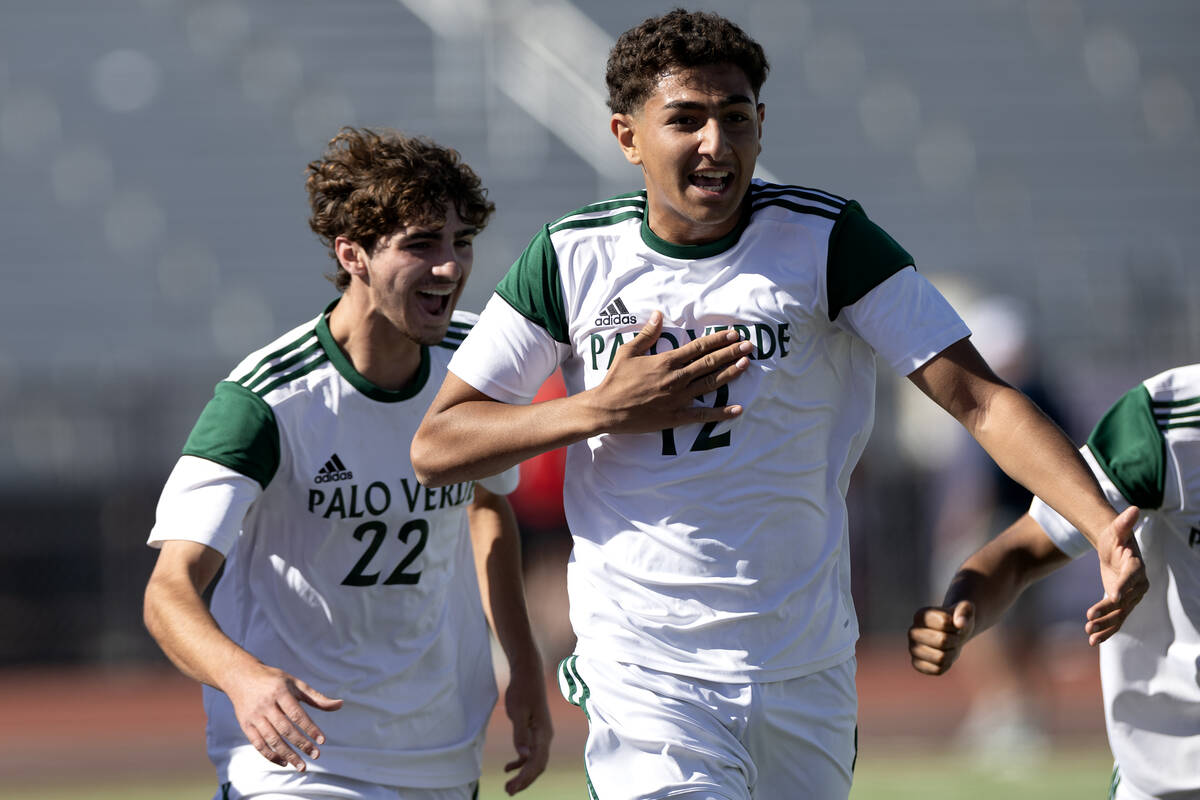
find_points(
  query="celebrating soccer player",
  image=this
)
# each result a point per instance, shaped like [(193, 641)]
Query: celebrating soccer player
[(347, 623), (718, 338)]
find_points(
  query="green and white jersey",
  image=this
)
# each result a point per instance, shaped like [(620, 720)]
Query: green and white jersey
[(1146, 452), (717, 551), (341, 569)]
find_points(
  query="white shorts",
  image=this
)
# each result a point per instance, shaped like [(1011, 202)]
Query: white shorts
[(279, 784), (654, 735)]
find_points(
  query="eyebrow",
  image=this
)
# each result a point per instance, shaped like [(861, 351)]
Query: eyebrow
[(436, 233), (731, 100)]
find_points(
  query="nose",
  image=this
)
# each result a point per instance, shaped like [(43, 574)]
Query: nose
[(450, 264), (713, 140)]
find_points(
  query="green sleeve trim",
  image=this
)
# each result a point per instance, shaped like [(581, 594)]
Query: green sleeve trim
[(1130, 449), (533, 287), (861, 256), (237, 429)]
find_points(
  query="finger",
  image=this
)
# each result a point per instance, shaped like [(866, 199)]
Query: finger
[(287, 733), (927, 668), (299, 728), (938, 619), (724, 372), (689, 353), (1113, 619), (705, 372), (302, 691), (932, 637), (532, 765), (648, 335), (271, 745), (964, 617), (933, 655)]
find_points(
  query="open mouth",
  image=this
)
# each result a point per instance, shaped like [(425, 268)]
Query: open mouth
[(714, 181), (435, 300)]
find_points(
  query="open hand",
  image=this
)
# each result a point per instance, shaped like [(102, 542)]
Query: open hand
[(267, 701), (1123, 575)]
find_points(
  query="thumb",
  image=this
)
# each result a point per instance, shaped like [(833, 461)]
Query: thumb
[(314, 698), (1124, 524), (648, 335), (964, 617)]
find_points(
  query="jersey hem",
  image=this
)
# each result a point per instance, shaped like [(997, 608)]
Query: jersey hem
[(752, 675)]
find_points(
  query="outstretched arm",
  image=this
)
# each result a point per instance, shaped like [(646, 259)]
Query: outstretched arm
[(497, 545), (1031, 449), (467, 435), (266, 700)]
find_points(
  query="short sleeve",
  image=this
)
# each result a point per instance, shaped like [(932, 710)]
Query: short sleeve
[(533, 288), (1130, 449), (237, 429), (906, 320), (203, 502), (504, 483), (861, 256), (507, 356)]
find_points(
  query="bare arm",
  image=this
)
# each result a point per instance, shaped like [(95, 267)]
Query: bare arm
[(497, 545), (1032, 450), (986, 585), (467, 435), (264, 698)]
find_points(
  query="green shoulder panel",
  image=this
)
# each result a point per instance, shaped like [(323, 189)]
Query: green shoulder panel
[(861, 256), (237, 429), (532, 286), (1130, 448)]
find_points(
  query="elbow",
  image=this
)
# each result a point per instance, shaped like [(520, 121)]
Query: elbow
[(425, 463)]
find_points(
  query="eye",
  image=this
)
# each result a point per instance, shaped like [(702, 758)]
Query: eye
[(464, 243)]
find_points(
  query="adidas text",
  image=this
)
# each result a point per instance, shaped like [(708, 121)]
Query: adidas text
[(329, 477), (616, 319)]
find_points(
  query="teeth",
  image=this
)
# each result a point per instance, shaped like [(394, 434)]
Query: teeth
[(713, 173), (437, 290)]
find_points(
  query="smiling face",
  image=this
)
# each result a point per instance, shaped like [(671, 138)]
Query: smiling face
[(413, 278), (696, 138)]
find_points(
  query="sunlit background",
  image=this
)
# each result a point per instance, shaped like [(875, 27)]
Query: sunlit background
[(1041, 160)]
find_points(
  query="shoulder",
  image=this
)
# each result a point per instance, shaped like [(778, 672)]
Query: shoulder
[(786, 202), (277, 366), (1130, 440), (600, 218)]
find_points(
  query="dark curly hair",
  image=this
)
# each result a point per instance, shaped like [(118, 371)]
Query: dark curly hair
[(368, 185), (679, 38)]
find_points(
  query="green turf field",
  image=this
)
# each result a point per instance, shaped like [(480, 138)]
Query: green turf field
[(1062, 776)]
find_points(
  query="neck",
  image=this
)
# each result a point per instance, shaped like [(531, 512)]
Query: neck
[(379, 352)]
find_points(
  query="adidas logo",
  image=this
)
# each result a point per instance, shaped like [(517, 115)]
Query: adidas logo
[(334, 470), (616, 314)]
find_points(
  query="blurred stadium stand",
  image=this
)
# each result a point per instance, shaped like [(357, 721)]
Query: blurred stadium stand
[(152, 216)]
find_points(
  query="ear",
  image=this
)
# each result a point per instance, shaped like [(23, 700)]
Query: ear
[(762, 114), (352, 257), (624, 128)]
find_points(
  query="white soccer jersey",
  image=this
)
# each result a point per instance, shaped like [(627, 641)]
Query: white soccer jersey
[(1146, 452), (340, 568), (717, 551)]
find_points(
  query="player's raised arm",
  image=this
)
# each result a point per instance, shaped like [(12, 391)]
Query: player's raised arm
[(466, 434), (266, 700), (1032, 450), (986, 585)]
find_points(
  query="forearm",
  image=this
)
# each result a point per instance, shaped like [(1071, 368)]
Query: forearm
[(496, 542), (473, 438), (177, 618), (1011, 428), (994, 576)]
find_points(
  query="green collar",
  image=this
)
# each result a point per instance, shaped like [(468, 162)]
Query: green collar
[(355, 378), (693, 252)]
